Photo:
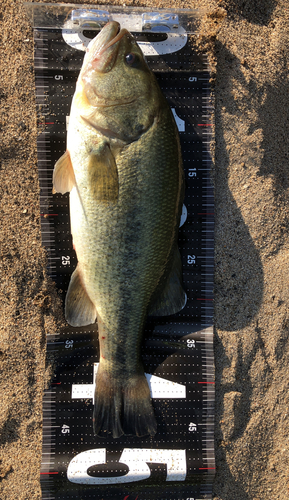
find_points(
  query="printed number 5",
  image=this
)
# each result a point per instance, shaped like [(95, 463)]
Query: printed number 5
[(136, 459)]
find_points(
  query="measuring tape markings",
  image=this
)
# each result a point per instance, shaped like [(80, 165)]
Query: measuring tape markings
[(66, 262)]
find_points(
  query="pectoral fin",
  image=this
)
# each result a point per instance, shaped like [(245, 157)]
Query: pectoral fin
[(63, 175), (103, 175), (169, 297), (79, 310)]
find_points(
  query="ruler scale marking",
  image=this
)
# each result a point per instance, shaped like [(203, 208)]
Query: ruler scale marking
[(61, 262)]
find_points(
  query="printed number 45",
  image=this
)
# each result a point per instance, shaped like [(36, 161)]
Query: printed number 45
[(135, 458)]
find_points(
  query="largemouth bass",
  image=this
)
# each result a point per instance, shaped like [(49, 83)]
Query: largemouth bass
[(123, 170)]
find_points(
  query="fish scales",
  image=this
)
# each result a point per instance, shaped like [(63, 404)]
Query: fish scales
[(123, 259), (127, 187)]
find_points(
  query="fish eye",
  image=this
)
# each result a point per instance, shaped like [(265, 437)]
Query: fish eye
[(131, 59)]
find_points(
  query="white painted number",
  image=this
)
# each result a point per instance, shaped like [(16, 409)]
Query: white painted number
[(192, 427), (68, 344), (135, 458), (191, 259), (191, 343), (65, 260), (58, 77), (193, 79)]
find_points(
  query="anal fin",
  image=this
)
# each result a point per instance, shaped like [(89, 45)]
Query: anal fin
[(79, 310), (63, 175), (169, 297)]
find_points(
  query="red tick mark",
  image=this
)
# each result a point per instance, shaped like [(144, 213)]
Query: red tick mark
[(48, 472), (103, 338)]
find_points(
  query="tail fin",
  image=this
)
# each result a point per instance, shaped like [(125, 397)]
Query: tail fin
[(122, 406)]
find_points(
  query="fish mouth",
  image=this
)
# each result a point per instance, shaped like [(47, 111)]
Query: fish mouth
[(101, 56), (103, 49)]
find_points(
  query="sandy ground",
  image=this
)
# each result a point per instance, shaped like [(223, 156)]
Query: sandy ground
[(249, 46)]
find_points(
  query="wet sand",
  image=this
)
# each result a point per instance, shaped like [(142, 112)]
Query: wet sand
[(248, 44)]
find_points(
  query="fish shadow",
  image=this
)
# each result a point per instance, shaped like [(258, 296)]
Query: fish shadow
[(257, 12), (9, 431), (238, 290), (239, 279), (238, 295)]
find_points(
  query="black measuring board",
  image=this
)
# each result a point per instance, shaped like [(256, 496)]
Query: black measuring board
[(177, 351)]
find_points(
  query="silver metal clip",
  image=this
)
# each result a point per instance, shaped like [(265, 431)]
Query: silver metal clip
[(89, 19), (154, 21)]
